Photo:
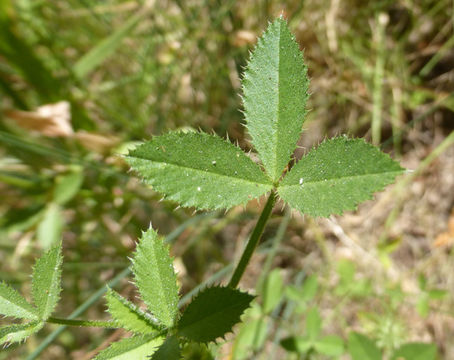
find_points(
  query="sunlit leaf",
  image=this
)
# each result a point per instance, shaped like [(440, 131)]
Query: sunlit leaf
[(129, 316), (137, 348), (155, 277), (336, 176), (46, 280), (19, 332), (361, 347), (13, 304), (275, 86), (200, 170)]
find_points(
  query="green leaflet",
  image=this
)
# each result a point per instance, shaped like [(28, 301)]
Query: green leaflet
[(313, 324), (156, 278), (169, 350), (212, 313), (13, 304), (67, 186), (299, 344), (337, 176), (46, 279), (275, 87), (416, 351), (361, 347), (19, 332), (200, 170), (137, 348), (272, 292), (50, 228), (128, 315), (330, 345)]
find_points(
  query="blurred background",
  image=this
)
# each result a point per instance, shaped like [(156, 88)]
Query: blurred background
[(82, 81)]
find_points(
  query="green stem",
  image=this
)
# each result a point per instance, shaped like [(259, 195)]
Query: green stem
[(273, 251), (253, 241), (87, 323)]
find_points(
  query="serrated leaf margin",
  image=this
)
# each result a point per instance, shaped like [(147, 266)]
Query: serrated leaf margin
[(212, 330)]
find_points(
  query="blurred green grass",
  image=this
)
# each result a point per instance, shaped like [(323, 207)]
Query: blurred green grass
[(133, 69)]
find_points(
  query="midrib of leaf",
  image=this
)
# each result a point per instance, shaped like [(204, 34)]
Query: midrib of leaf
[(201, 171), (160, 295), (275, 92), (141, 322), (46, 294), (163, 294), (339, 178), (276, 124), (54, 284)]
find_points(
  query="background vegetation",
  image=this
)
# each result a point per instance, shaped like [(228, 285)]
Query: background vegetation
[(127, 70)]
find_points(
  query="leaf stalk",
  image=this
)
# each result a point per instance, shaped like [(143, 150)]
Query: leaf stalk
[(253, 241), (85, 323)]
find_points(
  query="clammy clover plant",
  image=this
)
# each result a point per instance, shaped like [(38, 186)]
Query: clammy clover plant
[(206, 172)]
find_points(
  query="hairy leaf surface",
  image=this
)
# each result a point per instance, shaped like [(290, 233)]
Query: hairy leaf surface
[(19, 332), (156, 278), (212, 313), (128, 315), (169, 350), (275, 87), (13, 304), (337, 176), (137, 348), (46, 281), (200, 170)]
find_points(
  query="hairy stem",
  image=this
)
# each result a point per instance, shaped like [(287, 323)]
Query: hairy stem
[(253, 241), (87, 323)]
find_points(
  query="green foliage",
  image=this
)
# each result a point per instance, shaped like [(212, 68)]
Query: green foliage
[(128, 315), (51, 226), (427, 296), (155, 277), (416, 351), (252, 333), (330, 345), (14, 305), (46, 282), (212, 313), (361, 347), (67, 186), (302, 295), (349, 284), (169, 350), (273, 290), (17, 333), (45, 291), (337, 176), (275, 87), (197, 169), (207, 172), (105, 48), (313, 323), (137, 348)]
